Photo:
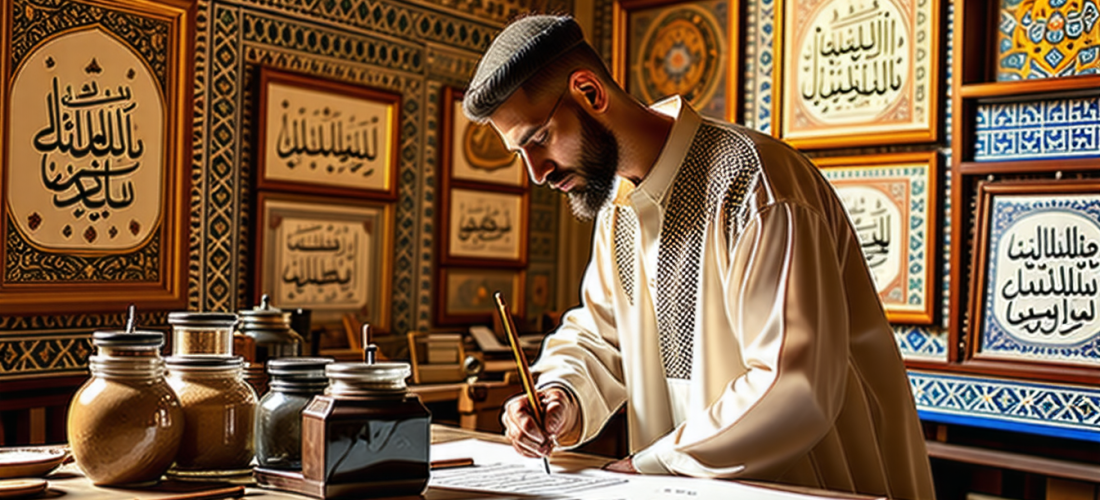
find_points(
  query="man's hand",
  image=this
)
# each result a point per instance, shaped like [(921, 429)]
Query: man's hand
[(625, 466), (562, 422)]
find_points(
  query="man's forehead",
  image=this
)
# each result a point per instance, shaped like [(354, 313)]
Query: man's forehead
[(513, 116)]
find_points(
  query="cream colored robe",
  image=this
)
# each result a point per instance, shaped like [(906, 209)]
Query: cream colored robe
[(788, 370)]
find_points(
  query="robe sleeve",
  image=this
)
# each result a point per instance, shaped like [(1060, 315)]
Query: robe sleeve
[(583, 353), (786, 300)]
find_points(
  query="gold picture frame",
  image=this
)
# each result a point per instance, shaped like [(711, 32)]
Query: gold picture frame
[(890, 95), (96, 170)]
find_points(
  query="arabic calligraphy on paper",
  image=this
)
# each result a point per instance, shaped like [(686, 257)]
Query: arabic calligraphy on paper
[(327, 138), (484, 225), (853, 61), (86, 164), (879, 226), (1045, 275), (321, 264)]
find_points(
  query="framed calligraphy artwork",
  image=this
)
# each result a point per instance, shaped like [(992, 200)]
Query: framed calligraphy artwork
[(484, 227), (1036, 270), (331, 258), (858, 72), (891, 200), (467, 294), (474, 152), (96, 158), (325, 137), (664, 48)]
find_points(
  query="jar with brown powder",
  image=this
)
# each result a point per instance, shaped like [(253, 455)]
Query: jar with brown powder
[(219, 410), (125, 423)]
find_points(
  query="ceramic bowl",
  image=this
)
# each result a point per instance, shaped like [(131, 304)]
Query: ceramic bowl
[(30, 461)]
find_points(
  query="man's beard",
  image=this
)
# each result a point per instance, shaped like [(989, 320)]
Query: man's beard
[(597, 165)]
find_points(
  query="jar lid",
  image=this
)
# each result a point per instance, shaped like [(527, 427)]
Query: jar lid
[(264, 316), (298, 367), (209, 319), (139, 339), (204, 362), (360, 378)]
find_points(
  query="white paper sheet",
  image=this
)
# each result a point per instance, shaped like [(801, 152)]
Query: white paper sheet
[(499, 469)]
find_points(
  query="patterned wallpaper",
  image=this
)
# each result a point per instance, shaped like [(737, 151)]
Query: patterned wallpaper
[(411, 48)]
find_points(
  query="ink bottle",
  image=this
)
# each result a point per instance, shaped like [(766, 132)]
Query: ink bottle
[(125, 423), (207, 333), (219, 410), (270, 327), (367, 435), (294, 382)]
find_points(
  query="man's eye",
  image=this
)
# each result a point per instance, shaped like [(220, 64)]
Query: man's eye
[(540, 138)]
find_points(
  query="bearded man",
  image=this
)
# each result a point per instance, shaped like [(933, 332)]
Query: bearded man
[(727, 303)]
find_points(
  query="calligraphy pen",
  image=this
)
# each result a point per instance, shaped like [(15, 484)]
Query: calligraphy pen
[(521, 364)]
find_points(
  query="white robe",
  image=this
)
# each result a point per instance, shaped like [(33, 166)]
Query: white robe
[(793, 373)]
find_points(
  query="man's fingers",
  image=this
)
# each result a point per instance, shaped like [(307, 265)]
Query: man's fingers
[(522, 430)]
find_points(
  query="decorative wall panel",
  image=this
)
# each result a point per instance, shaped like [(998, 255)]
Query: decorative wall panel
[(1034, 130)]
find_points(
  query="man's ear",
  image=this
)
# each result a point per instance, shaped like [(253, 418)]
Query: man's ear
[(588, 90)]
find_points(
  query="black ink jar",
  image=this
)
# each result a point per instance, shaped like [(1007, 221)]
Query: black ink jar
[(367, 436), (294, 383)]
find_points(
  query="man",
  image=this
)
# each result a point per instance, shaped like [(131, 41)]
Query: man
[(727, 302)]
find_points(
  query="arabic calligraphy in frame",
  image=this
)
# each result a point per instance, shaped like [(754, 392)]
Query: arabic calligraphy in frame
[(858, 72), (473, 151), (331, 258), (325, 137), (891, 201), (95, 186), (468, 294), (484, 227), (664, 48), (1036, 269)]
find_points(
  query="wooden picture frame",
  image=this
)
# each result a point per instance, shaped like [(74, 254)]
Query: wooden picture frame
[(1035, 270), (688, 48), (891, 200), (483, 227), (331, 258), (319, 136), (466, 294), (474, 152), (96, 158), (825, 100)]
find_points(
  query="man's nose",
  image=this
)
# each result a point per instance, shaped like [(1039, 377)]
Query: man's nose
[(538, 166)]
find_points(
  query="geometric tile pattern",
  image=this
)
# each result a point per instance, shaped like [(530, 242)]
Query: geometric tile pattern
[(764, 73), (1058, 39), (1048, 409), (33, 355), (1043, 129), (920, 343)]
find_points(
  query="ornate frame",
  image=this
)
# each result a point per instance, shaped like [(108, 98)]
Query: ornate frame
[(92, 264), (899, 111), (906, 181), (481, 306), (347, 159), (713, 88)]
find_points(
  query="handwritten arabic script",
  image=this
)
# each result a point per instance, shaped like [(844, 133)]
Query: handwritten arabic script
[(484, 225), (1045, 276), (878, 223), (321, 263), (327, 138), (86, 171), (853, 60)]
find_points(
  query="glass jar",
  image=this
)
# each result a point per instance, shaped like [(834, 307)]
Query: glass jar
[(202, 333), (294, 382), (125, 423), (219, 409), (367, 433), (270, 327)]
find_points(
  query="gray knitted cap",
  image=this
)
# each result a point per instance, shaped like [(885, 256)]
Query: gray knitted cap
[(515, 55)]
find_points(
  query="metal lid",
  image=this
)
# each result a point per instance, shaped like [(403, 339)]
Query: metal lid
[(138, 339), (264, 316), (210, 319), (298, 367), (204, 362), (354, 379)]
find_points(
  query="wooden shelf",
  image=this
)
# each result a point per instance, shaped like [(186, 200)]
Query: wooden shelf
[(1016, 461), (1029, 89), (1029, 166)]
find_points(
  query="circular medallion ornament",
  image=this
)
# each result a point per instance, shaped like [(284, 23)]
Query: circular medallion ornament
[(483, 148), (681, 54)]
